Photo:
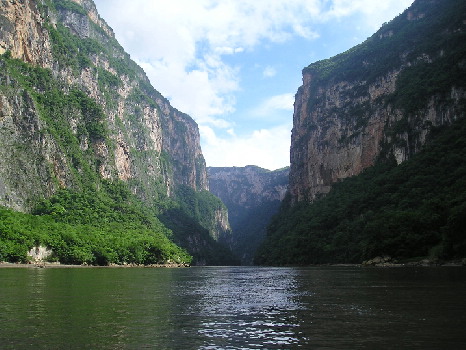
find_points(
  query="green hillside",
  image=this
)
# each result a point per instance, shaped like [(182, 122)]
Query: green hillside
[(416, 209)]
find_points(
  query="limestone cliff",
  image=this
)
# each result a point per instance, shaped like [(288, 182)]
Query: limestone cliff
[(382, 98), (76, 110), (148, 139), (252, 195), (22, 32)]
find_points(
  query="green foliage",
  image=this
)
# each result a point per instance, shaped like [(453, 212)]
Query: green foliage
[(93, 115), (187, 232), (68, 49), (418, 83), (417, 208), (57, 108), (109, 226), (107, 79), (87, 224), (7, 55), (433, 43), (414, 209), (199, 205), (67, 5), (193, 215)]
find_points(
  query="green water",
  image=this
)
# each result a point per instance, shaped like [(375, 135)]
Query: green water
[(233, 308)]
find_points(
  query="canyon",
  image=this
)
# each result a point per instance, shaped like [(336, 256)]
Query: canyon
[(252, 196)]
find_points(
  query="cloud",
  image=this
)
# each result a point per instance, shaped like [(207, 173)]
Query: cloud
[(187, 48), (269, 72), (205, 93), (225, 50), (181, 43), (272, 105), (267, 148), (373, 12)]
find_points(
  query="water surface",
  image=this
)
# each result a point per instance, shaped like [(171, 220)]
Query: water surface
[(233, 308)]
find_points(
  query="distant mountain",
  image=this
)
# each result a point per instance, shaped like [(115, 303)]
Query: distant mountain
[(252, 196), (377, 106)]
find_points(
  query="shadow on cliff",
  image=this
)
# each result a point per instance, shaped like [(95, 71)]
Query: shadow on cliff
[(190, 235)]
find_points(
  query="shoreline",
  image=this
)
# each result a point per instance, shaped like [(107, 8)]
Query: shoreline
[(421, 263), (7, 265)]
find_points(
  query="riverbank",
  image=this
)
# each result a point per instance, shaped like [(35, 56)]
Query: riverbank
[(58, 265), (387, 261)]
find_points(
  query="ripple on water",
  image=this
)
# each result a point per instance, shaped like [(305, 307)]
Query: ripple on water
[(246, 310)]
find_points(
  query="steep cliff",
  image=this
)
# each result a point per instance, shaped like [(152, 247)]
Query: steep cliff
[(147, 138), (75, 110), (378, 153), (379, 98), (252, 195), (205, 217)]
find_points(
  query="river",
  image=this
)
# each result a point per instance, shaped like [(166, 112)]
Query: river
[(233, 308)]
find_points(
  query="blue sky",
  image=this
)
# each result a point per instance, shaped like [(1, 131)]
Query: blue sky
[(235, 65)]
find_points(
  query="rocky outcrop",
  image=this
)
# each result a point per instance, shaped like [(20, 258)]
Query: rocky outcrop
[(361, 105), (39, 254), (22, 32), (252, 195), (28, 155), (149, 144)]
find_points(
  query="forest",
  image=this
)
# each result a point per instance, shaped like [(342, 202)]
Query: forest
[(92, 227), (409, 211)]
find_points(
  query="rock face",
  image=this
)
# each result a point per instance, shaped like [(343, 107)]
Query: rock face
[(39, 254), (378, 99), (76, 110), (22, 32), (149, 141), (252, 195)]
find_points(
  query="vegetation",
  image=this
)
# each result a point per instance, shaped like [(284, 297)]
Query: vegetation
[(107, 226), (402, 41), (93, 221), (187, 232), (249, 227), (67, 5), (199, 205), (56, 109), (85, 226), (194, 213), (416, 209)]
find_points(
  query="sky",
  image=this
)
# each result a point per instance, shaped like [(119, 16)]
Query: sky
[(235, 65)]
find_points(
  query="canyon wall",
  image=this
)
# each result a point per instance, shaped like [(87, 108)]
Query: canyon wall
[(252, 195), (149, 143), (75, 110), (379, 99)]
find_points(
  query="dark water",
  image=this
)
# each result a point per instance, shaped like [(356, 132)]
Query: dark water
[(233, 308)]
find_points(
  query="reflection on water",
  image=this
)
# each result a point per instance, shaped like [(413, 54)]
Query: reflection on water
[(233, 308), (245, 308)]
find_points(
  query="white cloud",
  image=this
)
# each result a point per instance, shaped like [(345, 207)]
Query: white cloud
[(184, 47), (225, 50), (373, 12), (269, 72), (267, 148), (270, 106), (180, 43)]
